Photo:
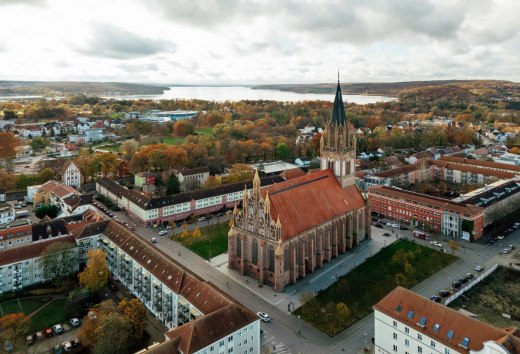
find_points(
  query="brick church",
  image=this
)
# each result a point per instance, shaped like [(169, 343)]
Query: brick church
[(287, 230)]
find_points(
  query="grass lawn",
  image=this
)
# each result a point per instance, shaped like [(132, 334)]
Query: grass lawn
[(114, 148), (204, 131), (497, 294), (22, 305), (211, 243), (402, 263), (173, 140), (50, 315)]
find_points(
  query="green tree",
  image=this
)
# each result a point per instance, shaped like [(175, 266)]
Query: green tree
[(282, 151), (172, 185), (58, 260), (45, 175), (47, 210), (8, 115), (39, 143)]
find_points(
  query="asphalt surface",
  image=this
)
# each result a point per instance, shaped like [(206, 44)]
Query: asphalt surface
[(286, 333)]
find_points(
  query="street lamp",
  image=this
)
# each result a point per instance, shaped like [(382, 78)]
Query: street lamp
[(299, 328), (365, 347)]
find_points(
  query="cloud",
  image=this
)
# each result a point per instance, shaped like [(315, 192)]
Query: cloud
[(136, 68), (117, 43), (23, 2)]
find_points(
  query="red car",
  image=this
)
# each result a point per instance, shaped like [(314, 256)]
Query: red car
[(47, 332)]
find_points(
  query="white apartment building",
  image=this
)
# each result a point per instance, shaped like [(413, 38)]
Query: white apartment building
[(7, 213), (407, 323), (21, 267), (93, 134), (71, 175)]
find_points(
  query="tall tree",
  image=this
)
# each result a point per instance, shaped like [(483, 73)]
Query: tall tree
[(9, 115), (240, 173), (58, 260), (8, 144), (45, 175), (172, 185), (13, 327), (39, 143), (135, 312), (96, 274), (282, 151), (47, 210)]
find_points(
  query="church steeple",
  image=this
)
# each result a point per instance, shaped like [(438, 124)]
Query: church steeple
[(338, 113)]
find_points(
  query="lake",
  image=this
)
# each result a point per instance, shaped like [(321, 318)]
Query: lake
[(237, 93)]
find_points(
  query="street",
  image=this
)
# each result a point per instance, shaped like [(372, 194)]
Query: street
[(286, 332)]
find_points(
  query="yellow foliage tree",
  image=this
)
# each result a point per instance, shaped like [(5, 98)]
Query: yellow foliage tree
[(96, 274), (196, 234), (135, 312)]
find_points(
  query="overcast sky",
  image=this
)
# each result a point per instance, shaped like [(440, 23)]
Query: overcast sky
[(268, 41)]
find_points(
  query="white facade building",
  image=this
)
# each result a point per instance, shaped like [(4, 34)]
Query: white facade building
[(72, 175), (7, 213), (407, 323), (93, 134)]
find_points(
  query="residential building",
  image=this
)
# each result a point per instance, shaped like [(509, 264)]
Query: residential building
[(7, 213), (141, 178), (93, 135), (21, 266), (192, 178), (14, 234), (452, 219), (157, 210), (71, 175), (272, 168), (24, 151), (290, 229), (32, 131), (405, 323)]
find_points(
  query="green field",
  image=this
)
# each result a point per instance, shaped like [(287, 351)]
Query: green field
[(213, 240), (172, 140), (50, 315), (499, 293), (204, 131), (402, 263), (26, 306)]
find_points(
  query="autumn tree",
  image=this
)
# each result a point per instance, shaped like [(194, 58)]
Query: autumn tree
[(128, 149), (96, 274), (453, 245), (8, 145), (59, 259), (196, 234), (45, 175), (13, 327), (240, 172), (183, 128), (135, 312), (212, 181), (108, 163), (343, 313)]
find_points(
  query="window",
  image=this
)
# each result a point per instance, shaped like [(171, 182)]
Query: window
[(436, 327), (239, 247), (423, 322), (446, 351), (407, 330), (410, 314), (419, 336), (254, 255), (465, 343), (271, 258), (450, 334), (407, 342), (395, 323), (395, 335), (419, 349), (432, 344), (395, 348)]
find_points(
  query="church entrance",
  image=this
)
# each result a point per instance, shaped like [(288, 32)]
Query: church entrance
[(308, 265)]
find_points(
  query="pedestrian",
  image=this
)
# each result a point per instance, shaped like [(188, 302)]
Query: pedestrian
[(227, 284)]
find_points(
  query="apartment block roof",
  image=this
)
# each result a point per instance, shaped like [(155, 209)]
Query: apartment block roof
[(194, 171), (311, 200), (148, 203), (482, 163), (206, 330), (493, 195), (426, 199), (33, 250), (442, 323)]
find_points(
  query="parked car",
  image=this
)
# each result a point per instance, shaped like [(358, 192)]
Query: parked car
[(30, 339), (75, 343), (511, 246), (379, 225), (402, 227), (263, 316), (38, 335), (456, 285), (463, 280), (47, 332), (479, 268), (8, 346), (386, 234), (112, 286), (57, 329), (436, 298), (436, 244), (202, 218), (444, 293), (67, 346), (500, 237), (505, 251), (163, 232), (469, 276), (154, 240), (92, 315), (74, 322)]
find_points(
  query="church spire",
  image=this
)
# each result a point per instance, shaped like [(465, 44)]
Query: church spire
[(338, 113)]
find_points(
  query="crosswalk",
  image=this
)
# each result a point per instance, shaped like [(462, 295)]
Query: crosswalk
[(275, 347)]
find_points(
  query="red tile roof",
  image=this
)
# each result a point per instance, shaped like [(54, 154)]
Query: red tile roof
[(311, 200), (32, 250), (448, 319), (481, 163), (208, 329), (292, 173)]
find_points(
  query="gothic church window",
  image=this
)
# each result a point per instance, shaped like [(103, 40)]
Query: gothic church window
[(286, 258), (271, 258), (239, 247), (254, 255)]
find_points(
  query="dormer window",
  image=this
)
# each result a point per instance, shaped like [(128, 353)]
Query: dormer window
[(464, 343)]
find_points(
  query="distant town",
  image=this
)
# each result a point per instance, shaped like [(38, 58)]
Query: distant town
[(187, 226)]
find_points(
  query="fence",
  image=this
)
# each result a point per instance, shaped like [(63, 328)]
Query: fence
[(470, 285)]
